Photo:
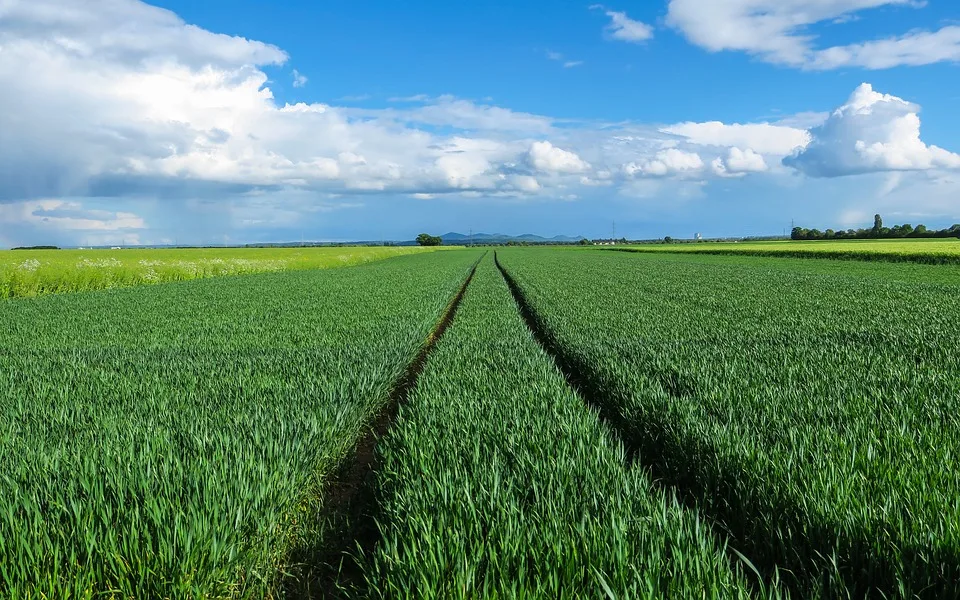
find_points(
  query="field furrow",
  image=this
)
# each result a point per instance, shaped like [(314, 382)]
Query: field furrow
[(497, 482), (811, 413), (324, 566)]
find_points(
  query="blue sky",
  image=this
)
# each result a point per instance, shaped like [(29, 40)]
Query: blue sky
[(228, 122)]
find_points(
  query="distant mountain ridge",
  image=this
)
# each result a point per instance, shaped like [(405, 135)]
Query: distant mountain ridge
[(454, 237)]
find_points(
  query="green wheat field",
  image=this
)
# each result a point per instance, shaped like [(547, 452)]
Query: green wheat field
[(481, 423)]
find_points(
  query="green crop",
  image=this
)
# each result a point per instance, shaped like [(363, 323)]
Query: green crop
[(927, 251), (497, 482), (171, 441), (746, 427), (40, 272), (809, 407)]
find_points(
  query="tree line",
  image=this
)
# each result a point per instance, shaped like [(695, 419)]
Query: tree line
[(877, 232), (425, 239)]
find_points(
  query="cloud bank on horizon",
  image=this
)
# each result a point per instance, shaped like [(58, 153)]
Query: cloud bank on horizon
[(122, 100)]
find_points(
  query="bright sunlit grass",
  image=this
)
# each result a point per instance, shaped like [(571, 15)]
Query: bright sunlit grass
[(25, 273), (946, 250)]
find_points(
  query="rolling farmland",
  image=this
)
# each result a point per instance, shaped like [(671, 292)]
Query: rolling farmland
[(563, 423), (25, 273)]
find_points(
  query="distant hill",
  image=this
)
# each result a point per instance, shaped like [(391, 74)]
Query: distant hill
[(459, 238)]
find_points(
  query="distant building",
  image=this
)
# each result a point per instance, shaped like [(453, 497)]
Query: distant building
[(698, 236)]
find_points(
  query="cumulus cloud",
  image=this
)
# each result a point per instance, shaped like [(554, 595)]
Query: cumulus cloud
[(738, 163), (745, 161), (123, 101), (188, 113), (544, 156), (121, 96), (525, 183), (719, 168), (468, 163), (778, 31), (624, 28), (666, 163), (127, 32), (871, 132)]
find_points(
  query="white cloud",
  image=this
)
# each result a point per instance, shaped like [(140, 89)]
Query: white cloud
[(546, 157), (871, 132), (624, 28), (778, 31), (125, 31), (457, 113), (719, 168), (414, 98), (299, 80), (97, 106), (738, 163), (601, 180), (135, 103), (666, 163), (464, 169), (526, 183), (560, 58), (745, 161), (913, 49), (760, 137), (803, 121), (190, 113)]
